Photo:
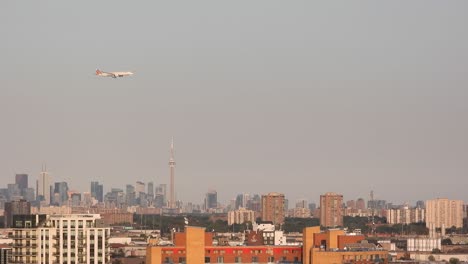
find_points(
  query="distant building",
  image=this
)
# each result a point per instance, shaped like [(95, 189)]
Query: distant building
[(14, 193), (162, 190), (302, 204), (377, 204), (420, 204), (75, 199), (351, 204), (130, 195), (211, 200), (139, 188), (312, 207), (115, 218), (254, 204), (22, 181), (273, 208), (300, 212), (61, 190), (406, 215), (20, 207), (331, 210), (97, 191), (28, 194), (43, 187), (442, 212), (361, 204), (150, 190), (241, 216)]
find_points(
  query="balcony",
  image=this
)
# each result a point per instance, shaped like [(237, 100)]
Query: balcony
[(24, 253)]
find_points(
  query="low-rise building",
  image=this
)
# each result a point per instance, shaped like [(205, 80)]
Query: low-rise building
[(333, 246)]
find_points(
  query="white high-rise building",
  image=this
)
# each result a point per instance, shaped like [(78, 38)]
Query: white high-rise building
[(139, 188), (241, 216), (406, 215), (43, 186), (73, 238), (442, 212)]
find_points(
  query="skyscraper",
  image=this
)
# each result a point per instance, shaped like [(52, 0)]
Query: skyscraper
[(211, 200), (172, 175), (273, 208), (130, 195), (61, 188), (139, 188), (43, 186), (331, 210), (97, 191), (161, 192), (151, 190), (22, 181)]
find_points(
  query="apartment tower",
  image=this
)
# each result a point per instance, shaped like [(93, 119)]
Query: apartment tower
[(273, 208), (442, 212), (331, 210)]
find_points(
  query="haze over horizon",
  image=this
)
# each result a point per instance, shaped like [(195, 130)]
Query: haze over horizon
[(301, 98)]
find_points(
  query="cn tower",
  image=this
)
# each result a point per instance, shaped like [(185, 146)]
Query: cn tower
[(171, 171)]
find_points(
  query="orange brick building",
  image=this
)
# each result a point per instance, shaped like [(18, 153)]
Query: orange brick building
[(195, 246)]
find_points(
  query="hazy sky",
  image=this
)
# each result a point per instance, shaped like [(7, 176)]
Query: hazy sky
[(296, 97)]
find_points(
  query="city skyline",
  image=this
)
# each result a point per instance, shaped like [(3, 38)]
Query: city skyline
[(59, 189), (302, 99)]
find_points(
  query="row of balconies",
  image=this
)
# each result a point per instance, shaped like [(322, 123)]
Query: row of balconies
[(24, 253), (18, 237), (19, 245)]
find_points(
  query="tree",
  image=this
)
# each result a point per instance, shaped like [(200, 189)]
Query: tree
[(454, 261), (446, 241), (431, 258)]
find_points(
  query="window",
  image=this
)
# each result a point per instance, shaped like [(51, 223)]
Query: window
[(220, 259), (181, 259), (271, 259), (238, 259), (207, 260), (254, 259)]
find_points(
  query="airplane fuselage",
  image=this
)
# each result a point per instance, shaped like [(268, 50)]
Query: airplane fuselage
[(112, 74)]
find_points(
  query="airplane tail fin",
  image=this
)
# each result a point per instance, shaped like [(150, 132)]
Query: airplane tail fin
[(98, 71)]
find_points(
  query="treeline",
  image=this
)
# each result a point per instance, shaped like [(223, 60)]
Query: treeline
[(212, 223)]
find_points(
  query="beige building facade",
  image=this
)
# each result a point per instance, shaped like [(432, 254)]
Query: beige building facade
[(273, 208), (241, 216), (406, 215), (331, 210), (442, 212)]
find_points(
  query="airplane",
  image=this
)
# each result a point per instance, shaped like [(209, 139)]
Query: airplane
[(112, 74)]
